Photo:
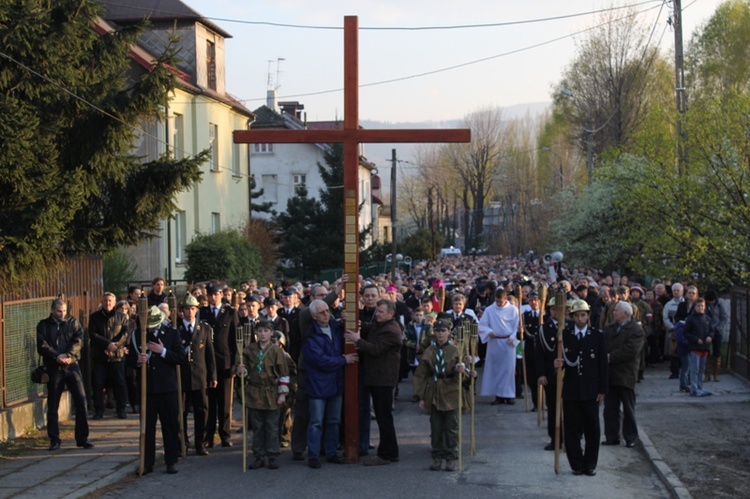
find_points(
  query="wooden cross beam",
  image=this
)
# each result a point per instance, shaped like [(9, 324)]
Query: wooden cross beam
[(351, 136)]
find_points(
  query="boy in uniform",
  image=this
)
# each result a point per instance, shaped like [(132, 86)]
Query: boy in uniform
[(436, 386), (265, 367)]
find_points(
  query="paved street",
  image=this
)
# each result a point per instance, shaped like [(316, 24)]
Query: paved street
[(509, 459)]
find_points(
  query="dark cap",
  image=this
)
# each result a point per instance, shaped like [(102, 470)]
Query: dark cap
[(213, 289), (265, 323), (442, 324), (288, 292), (270, 301), (533, 294), (418, 287)]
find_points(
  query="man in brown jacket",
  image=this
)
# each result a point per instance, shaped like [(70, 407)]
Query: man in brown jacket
[(625, 339), (381, 348)]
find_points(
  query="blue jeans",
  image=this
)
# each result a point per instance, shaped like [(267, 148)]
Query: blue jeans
[(685, 370), (697, 368), (330, 409)]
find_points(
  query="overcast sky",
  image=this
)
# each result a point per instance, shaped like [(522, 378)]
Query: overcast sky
[(313, 58)]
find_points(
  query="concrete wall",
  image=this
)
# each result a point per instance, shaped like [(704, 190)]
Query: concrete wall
[(16, 421)]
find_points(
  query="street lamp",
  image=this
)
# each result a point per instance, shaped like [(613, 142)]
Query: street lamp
[(589, 133)]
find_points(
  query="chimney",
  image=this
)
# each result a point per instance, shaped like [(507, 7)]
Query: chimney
[(271, 100)]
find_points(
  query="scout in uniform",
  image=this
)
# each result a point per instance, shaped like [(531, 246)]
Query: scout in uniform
[(436, 384), (266, 387)]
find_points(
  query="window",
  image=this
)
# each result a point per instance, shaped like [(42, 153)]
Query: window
[(262, 148), (180, 234), (270, 188), (215, 222), (211, 64), (178, 137), (213, 143), (236, 159), (298, 180)]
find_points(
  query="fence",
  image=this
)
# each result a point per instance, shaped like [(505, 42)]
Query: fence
[(20, 311), (739, 332)]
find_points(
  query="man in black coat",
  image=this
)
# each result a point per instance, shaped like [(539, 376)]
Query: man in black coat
[(199, 373), (546, 353), (585, 385), (108, 330), (223, 321), (58, 340), (625, 339), (532, 325), (163, 353)]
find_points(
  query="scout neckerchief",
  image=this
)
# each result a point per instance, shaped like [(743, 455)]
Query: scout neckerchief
[(439, 363), (259, 357)]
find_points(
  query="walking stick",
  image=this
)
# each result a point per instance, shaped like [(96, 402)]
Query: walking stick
[(540, 388), (172, 302), (473, 342), (521, 332), (143, 318), (460, 347), (240, 348), (560, 303), (236, 307)]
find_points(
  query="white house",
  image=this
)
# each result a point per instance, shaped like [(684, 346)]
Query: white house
[(280, 169)]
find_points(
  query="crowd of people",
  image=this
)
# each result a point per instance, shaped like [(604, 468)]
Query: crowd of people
[(285, 343)]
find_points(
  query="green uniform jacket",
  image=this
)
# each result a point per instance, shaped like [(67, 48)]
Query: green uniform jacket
[(262, 387), (443, 393)]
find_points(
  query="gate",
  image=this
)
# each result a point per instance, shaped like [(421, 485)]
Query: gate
[(739, 333)]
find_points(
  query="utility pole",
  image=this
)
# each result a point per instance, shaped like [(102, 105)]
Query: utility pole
[(393, 215), (680, 90)]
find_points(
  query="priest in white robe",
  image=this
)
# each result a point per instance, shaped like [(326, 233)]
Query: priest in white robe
[(498, 328)]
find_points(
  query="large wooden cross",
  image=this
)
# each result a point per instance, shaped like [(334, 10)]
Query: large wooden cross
[(351, 136)]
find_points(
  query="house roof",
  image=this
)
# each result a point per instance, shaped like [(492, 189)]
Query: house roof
[(132, 11), (147, 60)]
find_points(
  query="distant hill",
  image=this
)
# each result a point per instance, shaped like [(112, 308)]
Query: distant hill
[(380, 154)]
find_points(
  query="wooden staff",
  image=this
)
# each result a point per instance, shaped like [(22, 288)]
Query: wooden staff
[(540, 388), (560, 302), (236, 306), (271, 291), (473, 344), (526, 396), (460, 347), (172, 302), (244, 330), (143, 318), (440, 293)]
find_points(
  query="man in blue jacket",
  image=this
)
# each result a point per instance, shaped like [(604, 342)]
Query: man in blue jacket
[(324, 360)]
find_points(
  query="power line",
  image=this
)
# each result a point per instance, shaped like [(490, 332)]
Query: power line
[(457, 66), (395, 28)]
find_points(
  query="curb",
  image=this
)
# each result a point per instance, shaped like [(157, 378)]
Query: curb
[(675, 486)]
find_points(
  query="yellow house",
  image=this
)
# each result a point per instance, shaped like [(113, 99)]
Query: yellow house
[(200, 115)]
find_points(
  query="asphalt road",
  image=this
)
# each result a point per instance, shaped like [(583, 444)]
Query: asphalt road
[(510, 462)]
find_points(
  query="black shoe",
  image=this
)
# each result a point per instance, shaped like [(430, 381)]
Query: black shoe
[(272, 463), (590, 472), (210, 444), (510, 401), (313, 463), (201, 451), (363, 453), (395, 459), (577, 472), (54, 446), (335, 460), (549, 447), (497, 401), (630, 444), (674, 376), (226, 443), (298, 456), (122, 415), (258, 463), (86, 445), (611, 442), (171, 469), (98, 415)]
